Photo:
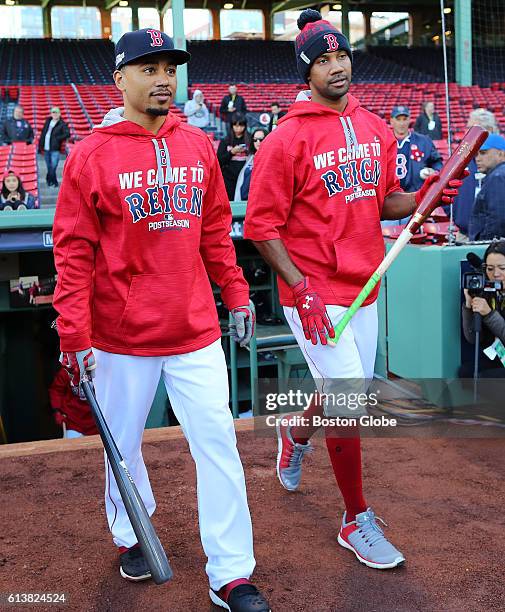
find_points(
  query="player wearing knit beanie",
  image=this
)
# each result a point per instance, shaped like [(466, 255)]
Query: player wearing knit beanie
[(321, 183), (317, 37)]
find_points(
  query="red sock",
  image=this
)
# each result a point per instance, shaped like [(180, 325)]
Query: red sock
[(302, 433), (344, 448), (225, 590), (123, 549)]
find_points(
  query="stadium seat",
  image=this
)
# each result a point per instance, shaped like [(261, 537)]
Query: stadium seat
[(437, 232), (439, 214)]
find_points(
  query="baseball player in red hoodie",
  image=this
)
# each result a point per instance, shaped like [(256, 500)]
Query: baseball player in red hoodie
[(142, 221), (322, 182)]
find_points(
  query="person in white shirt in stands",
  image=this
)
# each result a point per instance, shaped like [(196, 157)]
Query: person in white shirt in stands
[(196, 111), (54, 132)]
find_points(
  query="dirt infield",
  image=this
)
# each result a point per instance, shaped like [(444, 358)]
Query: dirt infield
[(442, 499)]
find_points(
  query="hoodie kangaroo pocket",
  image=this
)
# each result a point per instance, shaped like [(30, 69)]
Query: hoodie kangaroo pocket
[(165, 311), (358, 256)]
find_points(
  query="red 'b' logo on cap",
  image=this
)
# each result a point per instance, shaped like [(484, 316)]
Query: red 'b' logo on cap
[(156, 38), (332, 41)]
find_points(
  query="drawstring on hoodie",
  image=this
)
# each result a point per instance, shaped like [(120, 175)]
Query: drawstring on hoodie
[(353, 133), (162, 159), (351, 140)]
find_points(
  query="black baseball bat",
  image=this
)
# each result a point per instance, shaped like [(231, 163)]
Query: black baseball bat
[(139, 518)]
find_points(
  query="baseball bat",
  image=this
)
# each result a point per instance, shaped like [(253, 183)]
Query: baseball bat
[(139, 518), (452, 169)]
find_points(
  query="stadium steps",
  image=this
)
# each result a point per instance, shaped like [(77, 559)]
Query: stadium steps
[(48, 195), (81, 103)]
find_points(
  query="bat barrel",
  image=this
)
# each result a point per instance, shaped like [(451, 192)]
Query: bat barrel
[(139, 518), (453, 169)]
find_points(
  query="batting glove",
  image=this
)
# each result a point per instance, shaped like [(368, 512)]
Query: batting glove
[(77, 365), (312, 312), (449, 192), (244, 320)]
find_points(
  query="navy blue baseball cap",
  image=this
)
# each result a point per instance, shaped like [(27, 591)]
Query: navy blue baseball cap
[(133, 45), (400, 110)]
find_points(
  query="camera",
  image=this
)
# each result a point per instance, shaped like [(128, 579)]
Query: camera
[(478, 284)]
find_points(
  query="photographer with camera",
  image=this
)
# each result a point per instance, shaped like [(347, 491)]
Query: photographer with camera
[(485, 301)]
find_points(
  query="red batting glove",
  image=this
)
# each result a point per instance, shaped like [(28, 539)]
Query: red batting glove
[(448, 194), (312, 312)]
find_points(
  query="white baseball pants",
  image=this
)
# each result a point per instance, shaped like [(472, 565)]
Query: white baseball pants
[(197, 385)]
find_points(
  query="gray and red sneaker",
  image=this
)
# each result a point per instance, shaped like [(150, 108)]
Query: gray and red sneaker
[(367, 541), (239, 596), (289, 458)]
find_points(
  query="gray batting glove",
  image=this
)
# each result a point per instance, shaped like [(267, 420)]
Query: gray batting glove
[(244, 319)]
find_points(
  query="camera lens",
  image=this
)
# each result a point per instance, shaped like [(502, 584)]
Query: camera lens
[(474, 282)]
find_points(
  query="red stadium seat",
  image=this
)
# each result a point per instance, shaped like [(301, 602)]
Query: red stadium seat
[(27, 176), (438, 232), (439, 214), (392, 231)]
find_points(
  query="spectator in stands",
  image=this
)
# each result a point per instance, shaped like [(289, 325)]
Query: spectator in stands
[(196, 111), (17, 129), (70, 412), (13, 195), (417, 156), (492, 310), (232, 103), (428, 122), (232, 152), (54, 133), (487, 220), (275, 115), (464, 201), (244, 178)]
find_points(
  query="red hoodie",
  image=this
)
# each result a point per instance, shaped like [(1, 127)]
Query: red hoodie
[(140, 221), (318, 184)]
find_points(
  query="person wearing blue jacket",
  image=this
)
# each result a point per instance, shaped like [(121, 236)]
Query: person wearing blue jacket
[(417, 156), (487, 220), (464, 201), (463, 207)]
